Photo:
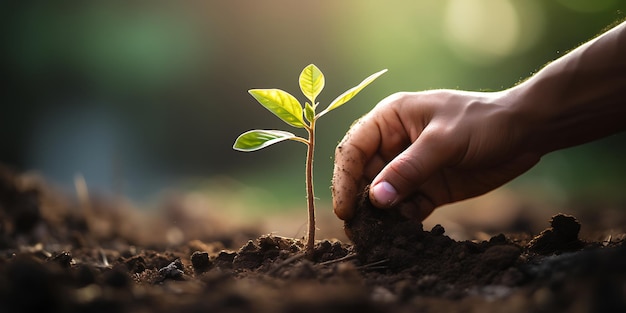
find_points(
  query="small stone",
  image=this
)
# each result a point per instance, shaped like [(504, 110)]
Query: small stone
[(173, 270)]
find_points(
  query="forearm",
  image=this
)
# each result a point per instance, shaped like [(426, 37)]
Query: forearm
[(577, 98)]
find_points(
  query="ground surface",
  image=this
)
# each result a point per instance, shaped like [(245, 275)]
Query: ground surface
[(95, 255)]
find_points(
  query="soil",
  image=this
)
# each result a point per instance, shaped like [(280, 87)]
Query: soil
[(59, 255)]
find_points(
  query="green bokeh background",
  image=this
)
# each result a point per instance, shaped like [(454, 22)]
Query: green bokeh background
[(141, 96)]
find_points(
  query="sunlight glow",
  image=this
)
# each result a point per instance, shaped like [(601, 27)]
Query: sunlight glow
[(482, 31)]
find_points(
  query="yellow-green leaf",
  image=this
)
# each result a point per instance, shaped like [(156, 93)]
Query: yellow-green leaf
[(282, 104), (260, 138), (309, 112), (311, 82), (344, 97)]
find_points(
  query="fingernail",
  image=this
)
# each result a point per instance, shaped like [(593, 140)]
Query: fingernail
[(384, 193)]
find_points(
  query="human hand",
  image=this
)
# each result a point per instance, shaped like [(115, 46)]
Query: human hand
[(421, 150)]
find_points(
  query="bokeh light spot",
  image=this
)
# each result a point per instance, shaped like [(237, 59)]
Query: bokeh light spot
[(482, 31)]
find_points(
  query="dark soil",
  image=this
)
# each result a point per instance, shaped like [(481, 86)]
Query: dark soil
[(60, 256)]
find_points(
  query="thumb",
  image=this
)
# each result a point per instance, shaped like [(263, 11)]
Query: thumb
[(407, 171)]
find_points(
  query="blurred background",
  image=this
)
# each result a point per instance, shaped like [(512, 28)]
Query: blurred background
[(139, 98)]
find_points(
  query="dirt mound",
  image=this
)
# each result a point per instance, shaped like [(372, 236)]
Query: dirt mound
[(386, 237)]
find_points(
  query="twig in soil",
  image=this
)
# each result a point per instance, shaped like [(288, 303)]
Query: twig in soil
[(373, 265), (105, 262), (344, 258), (82, 193), (36, 249)]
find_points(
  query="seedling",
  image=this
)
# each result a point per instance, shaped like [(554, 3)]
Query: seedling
[(289, 109)]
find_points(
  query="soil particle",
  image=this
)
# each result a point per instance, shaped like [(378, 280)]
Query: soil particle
[(437, 230), (248, 257), (253, 254), (135, 264), (63, 259), (200, 261), (225, 259), (560, 237)]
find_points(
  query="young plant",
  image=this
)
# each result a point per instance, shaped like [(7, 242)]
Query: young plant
[(289, 109)]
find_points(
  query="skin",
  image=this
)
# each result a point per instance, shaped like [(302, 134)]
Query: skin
[(421, 150)]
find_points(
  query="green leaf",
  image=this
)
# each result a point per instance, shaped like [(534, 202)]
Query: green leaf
[(260, 138), (282, 104), (311, 82), (344, 97), (309, 112)]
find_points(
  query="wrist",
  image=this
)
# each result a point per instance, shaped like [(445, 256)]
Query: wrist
[(575, 99), (527, 118)]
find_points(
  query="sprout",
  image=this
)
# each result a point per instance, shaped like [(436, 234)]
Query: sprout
[(289, 109)]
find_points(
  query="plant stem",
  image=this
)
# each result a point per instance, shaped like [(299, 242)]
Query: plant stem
[(310, 195)]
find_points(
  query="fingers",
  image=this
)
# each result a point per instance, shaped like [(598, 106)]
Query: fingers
[(345, 180), (371, 143), (351, 159), (423, 150), (457, 184), (405, 173)]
